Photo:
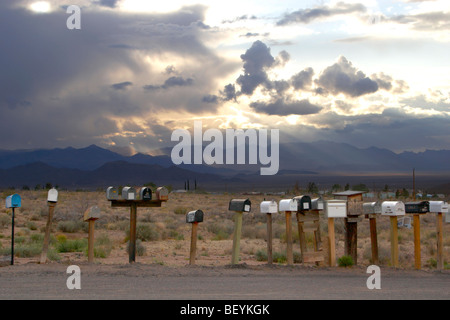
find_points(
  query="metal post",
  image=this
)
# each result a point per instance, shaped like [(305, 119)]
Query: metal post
[(12, 238)]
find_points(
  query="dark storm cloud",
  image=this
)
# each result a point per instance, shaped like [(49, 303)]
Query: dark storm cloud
[(122, 85), (309, 15), (70, 81), (342, 77), (393, 129), (256, 60), (282, 107), (171, 82), (303, 79), (108, 3), (229, 92)]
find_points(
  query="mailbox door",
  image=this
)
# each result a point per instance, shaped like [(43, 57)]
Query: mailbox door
[(112, 193), (52, 195), (336, 209), (145, 194), (304, 203), (162, 194)]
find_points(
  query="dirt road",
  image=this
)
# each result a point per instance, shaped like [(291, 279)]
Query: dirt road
[(241, 282)]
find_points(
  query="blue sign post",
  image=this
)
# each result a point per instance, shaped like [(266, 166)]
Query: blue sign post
[(13, 201)]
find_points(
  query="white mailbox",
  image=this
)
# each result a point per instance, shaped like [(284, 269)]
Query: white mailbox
[(438, 206), (52, 195), (129, 193), (372, 208), (336, 208), (393, 208), (269, 207), (288, 205)]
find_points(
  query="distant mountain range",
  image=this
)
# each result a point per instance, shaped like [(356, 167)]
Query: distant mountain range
[(97, 167)]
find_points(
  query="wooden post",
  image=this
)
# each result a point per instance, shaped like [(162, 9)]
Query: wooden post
[(289, 251), (331, 243), (236, 237), (132, 247), (374, 239), (193, 243), (394, 241), (440, 241), (301, 236), (417, 259), (351, 239), (91, 241), (269, 239), (51, 210)]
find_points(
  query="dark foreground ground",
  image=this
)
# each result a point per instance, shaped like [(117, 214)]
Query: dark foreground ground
[(241, 282)]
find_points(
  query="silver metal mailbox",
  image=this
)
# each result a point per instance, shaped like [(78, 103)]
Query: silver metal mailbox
[(288, 205), (240, 205), (129, 193), (13, 201), (112, 193), (336, 208), (162, 194), (194, 216), (438, 206), (317, 204), (372, 207), (303, 202), (145, 194), (52, 195), (269, 207), (393, 208), (93, 213)]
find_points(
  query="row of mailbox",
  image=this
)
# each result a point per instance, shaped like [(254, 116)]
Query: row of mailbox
[(338, 208), (15, 201), (130, 193)]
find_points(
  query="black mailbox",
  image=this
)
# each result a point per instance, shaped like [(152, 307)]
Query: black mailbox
[(194, 216), (145, 193), (303, 203), (241, 205), (417, 207)]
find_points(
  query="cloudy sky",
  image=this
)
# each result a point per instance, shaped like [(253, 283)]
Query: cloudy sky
[(364, 72)]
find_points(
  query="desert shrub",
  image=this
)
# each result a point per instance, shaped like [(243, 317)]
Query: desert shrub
[(76, 245), (140, 249), (70, 226), (279, 257), (31, 225), (103, 246), (180, 210), (261, 255), (221, 235), (5, 221), (145, 232), (345, 261), (27, 250)]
